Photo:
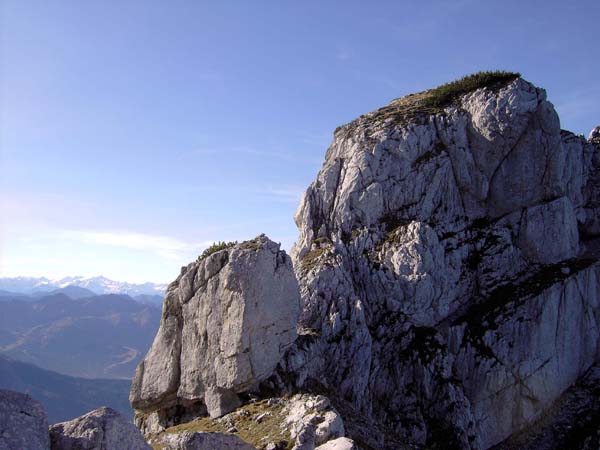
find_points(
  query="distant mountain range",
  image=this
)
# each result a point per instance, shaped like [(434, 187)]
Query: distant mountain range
[(97, 285), (75, 333), (64, 397)]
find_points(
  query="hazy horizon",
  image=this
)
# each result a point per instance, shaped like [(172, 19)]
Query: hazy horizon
[(134, 134)]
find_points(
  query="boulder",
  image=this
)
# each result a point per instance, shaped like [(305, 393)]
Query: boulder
[(227, 321), (101, 429), (338, 444), (203, 441), (23, 422), (595, 135), (312, 421)]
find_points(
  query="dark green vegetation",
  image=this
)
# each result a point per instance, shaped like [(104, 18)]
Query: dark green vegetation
[(415, 108), (216, 247), (64, 397), (446, 94)]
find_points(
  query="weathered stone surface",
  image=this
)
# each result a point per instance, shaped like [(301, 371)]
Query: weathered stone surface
[(338, 444), (312, 421), (204, 441), (448, 292), (23, 422), (227, 320), (101, 429), (573, 422)]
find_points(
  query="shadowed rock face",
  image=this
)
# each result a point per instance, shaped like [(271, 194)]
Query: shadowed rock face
[(101, 429), (23, 422), (226, 323), (447, 267), (449, 283)]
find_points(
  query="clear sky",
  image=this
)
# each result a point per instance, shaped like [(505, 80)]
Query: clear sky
[(134, 133)]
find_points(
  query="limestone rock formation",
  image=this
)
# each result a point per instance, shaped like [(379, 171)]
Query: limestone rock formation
[(449, 282), (204, 441), (338, 444), (447, 261), (101, 429), (227, 320), (23, 422)]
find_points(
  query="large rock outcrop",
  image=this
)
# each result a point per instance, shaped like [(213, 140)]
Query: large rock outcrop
[(447, 261), (227, 320), (449, 282), (23, 422), (101, 429), (204, 441)]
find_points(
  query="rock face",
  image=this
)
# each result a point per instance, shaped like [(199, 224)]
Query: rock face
[(449, 285), (227, 320), (447, 261), (23, 422), (101, 429)]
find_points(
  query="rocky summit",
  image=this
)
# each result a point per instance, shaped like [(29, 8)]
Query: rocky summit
[(227, 320), (444, 292), (23, 422)]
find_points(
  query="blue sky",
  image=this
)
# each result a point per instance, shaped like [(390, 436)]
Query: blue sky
[(133, 134)]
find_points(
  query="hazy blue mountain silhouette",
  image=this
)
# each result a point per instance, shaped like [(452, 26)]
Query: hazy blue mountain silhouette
[(64, 397), (103, 336)]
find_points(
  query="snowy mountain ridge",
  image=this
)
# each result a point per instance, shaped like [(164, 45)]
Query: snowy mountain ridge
[(99, 285)]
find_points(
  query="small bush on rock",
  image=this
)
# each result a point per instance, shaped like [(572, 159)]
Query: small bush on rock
[(216, 247), (447, 93)]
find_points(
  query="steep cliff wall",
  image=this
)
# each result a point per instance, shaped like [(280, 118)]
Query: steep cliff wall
[(447, 265)]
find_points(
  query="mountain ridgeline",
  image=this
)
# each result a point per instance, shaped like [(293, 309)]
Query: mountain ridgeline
[(101, 336), (96, 285), (62, 396)]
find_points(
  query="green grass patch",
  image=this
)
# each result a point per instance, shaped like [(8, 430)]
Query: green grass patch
[(269, 429), (310, 259), (216, 247), (448, 93), (415, 108)]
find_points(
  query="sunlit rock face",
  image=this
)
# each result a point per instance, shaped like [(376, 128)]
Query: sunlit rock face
[(227, 320), (448, 289), (447, 266)]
